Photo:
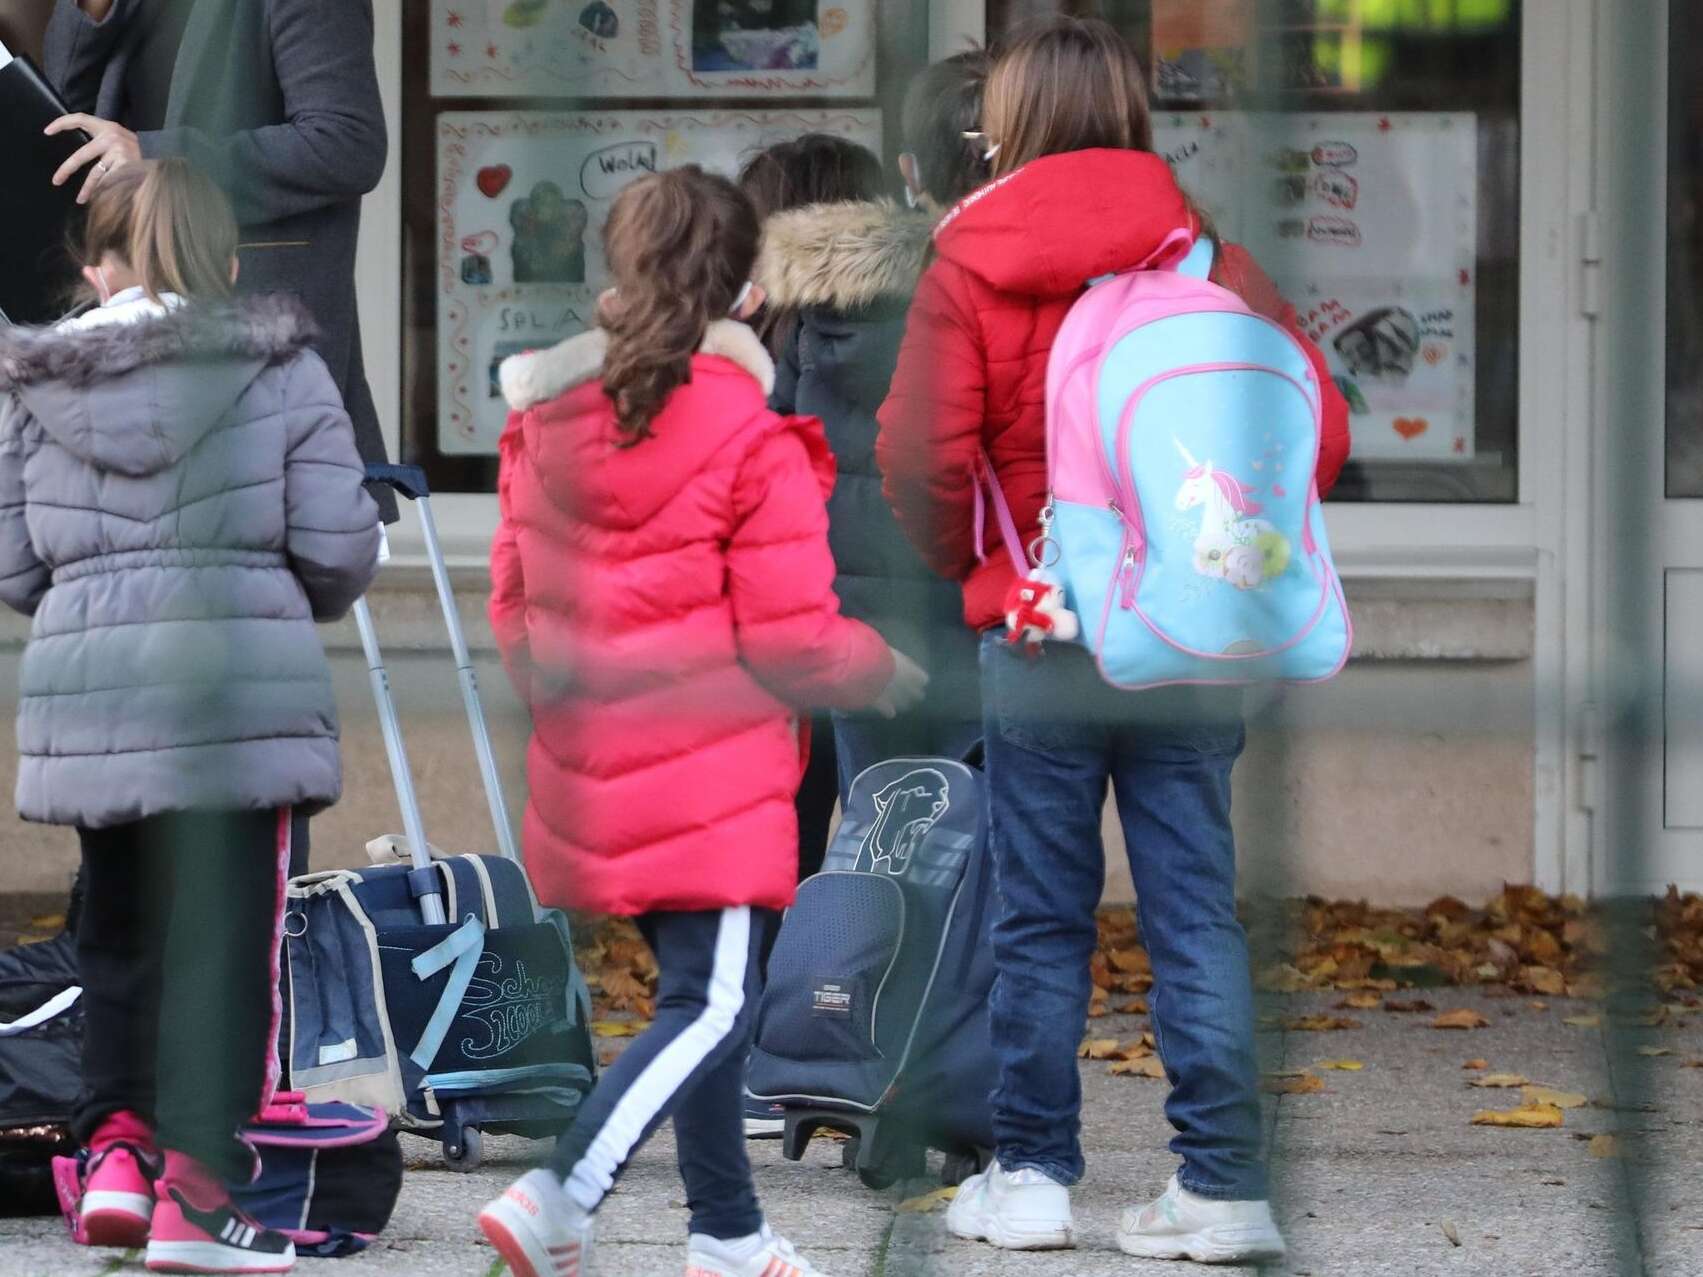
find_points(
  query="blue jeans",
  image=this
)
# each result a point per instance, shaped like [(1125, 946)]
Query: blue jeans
[(1056, 736)]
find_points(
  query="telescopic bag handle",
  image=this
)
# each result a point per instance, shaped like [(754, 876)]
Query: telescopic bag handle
[(410, 482)]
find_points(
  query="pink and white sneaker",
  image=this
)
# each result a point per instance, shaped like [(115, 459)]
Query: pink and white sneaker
[(198, 1229), (117, 1201), (538, 1229)]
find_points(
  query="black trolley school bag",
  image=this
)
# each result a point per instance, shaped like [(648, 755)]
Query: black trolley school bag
[(874, 1021), (435, 989)]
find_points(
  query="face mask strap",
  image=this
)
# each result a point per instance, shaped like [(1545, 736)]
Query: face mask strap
[(739, 301)]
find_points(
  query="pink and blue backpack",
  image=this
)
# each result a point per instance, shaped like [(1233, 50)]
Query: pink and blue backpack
[(1183, 521)]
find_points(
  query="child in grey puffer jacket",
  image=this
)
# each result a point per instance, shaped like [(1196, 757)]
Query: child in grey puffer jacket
[(180, 501)]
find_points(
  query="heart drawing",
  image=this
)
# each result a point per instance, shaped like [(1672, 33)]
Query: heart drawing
[(1411, 427), (494, 179)]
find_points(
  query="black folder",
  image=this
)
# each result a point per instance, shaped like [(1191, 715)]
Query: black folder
[(36, 217)]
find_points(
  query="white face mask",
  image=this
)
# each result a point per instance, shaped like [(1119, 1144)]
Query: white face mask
[(105, 289), (739, 301)]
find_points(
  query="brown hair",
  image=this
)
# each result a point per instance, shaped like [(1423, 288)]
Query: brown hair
[(815, 168), (680, 245), (1065, 84), (943, 103), (167, 221)]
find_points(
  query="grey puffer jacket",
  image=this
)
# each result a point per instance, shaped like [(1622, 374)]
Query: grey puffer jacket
[(180, 500)]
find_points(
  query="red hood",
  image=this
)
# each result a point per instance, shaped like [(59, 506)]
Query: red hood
[(1062, 220), (568, 425)]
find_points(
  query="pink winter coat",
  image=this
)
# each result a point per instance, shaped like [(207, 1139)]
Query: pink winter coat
[(664, 610)]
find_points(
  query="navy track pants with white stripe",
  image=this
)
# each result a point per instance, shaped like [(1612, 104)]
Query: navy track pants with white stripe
[(689, 1065)]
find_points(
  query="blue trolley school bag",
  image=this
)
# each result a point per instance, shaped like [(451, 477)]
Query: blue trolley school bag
[(1183, 520), (435, 989), (874, 1020)]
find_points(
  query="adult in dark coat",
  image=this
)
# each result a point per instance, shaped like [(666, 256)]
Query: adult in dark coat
[(278, 101), (845, 273)]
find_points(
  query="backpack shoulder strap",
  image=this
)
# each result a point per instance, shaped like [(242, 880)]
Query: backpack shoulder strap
[(1198, 263)]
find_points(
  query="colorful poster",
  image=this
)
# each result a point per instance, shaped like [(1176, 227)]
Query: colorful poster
[(1202, 49), (653, 48), (521, 198), (1369, 224)]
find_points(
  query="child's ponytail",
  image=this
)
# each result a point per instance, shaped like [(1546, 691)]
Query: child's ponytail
[(680, 246), (170, 223)]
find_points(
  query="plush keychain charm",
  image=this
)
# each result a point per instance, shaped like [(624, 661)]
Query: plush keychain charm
[(1035, 612)]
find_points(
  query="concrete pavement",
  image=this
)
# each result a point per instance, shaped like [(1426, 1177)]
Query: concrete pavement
[(1380, 1173)]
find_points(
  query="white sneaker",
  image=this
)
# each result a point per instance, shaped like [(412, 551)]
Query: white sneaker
[(759, 1255), (1015, 1210), (1184, 1225), (538, 1229)]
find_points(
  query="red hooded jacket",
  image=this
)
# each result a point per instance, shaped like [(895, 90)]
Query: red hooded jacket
[(663, 610), (1012, 259)]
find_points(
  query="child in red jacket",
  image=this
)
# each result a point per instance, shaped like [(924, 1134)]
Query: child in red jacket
[(662, 592), (1077, 193)]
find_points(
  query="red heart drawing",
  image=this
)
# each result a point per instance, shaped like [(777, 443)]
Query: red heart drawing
[(494, 179), (1411, 427), (1277, 491), (1434, 354)]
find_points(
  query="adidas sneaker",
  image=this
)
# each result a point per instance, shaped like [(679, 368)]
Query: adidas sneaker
[(538, 1229)]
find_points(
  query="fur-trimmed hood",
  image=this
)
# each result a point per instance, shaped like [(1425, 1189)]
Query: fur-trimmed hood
[(134, 395), (540, 375), (845, 256), (265, 328), (566, 423)]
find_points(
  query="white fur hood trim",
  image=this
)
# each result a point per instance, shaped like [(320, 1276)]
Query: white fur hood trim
[(541, 375)]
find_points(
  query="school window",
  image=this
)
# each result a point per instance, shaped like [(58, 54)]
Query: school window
[(1367, 153), (523, 118)]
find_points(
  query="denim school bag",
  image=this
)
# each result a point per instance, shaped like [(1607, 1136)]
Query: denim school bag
[(1183, 519)]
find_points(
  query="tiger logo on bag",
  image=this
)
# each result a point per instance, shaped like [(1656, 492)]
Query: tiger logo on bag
[(906, 810)]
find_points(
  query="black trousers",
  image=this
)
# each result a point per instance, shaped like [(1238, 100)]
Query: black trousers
[(177, 943), (818, 791), (689, 1065)]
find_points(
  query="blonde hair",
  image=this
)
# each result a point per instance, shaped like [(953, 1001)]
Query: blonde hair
[(169, 222), (1065, 84)]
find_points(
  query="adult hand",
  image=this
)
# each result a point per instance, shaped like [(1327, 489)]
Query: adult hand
[(109, 146), (908, 684)]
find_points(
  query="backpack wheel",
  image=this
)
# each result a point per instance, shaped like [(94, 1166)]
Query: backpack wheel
[(878, 1177), (465, 1150)]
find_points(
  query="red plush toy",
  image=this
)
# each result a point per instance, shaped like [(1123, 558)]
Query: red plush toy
[(1035, 612)]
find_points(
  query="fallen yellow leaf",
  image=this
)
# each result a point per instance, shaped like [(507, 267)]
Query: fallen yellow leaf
[(1560, 1099), (1360, 1002), (1149, 1067), (1342, 1066), (1476, 1064), (1545, 980), (1306, 1084), (1320, 1023), (1135, 1006), (927, 1202), (1655, 1050), (1584, 1021), (1604, 1146), (1496, 1080), (618, 1028), (1098, 1048), (1527, 1115), (1463, 1018)]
